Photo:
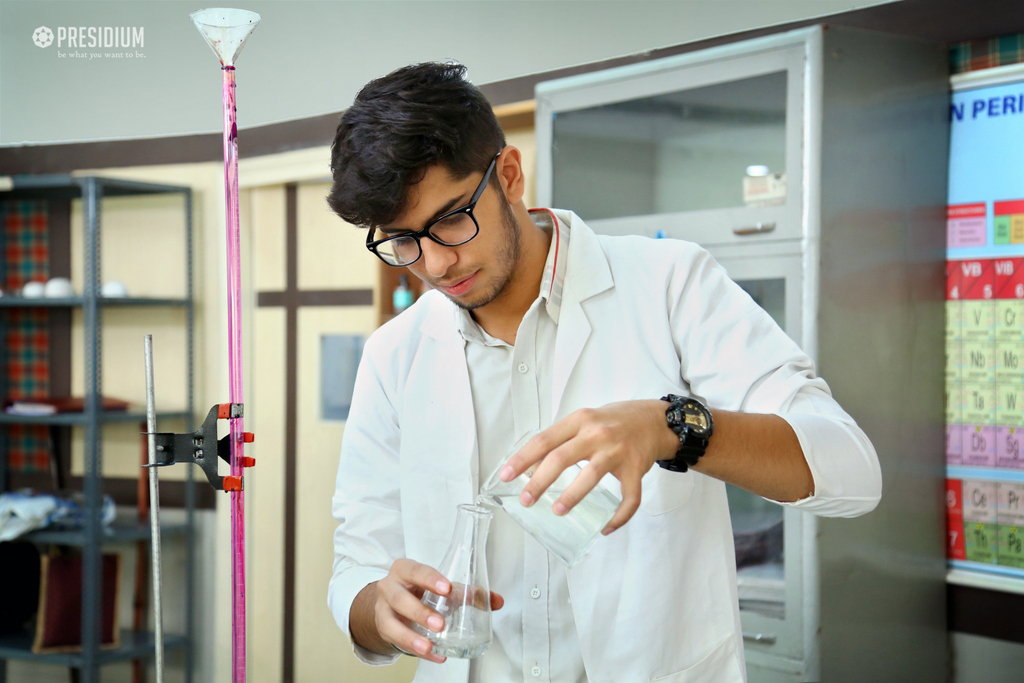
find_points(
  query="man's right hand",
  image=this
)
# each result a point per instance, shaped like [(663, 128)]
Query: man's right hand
[(381, 613)]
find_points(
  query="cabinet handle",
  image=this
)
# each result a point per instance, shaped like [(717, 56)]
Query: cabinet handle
[(755, 229), (766, 638)]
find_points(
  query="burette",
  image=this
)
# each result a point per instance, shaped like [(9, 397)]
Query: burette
[(226, 31)]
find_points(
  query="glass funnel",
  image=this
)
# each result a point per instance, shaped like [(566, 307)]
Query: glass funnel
[(226, 30), (466, 610)]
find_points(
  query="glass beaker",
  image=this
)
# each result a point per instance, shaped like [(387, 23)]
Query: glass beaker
[(466, 610), (569, 536)]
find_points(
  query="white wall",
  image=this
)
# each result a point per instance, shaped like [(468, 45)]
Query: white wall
[(311, 57)]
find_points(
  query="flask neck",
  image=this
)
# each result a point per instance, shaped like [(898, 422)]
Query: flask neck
[(469, 541)]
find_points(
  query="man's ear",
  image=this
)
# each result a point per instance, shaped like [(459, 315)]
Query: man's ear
[(510, 172)]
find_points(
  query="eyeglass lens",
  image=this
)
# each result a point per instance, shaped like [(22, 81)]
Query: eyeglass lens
[(452, 231)]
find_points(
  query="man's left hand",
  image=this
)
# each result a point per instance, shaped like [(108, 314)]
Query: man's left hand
[(625, 439)]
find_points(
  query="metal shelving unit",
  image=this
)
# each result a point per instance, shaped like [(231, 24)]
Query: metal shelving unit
[(78, 301), (117, 532), (92, 536), (134, 645), (71, 419)]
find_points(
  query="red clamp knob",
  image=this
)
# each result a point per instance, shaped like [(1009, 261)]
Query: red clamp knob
[(227, 411), (232, 483), (248, 462), (248, 437)]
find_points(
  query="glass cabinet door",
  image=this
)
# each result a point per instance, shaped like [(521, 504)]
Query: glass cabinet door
[(758, 530), (704, 149), (687, 150), (769, 537), (757, 524)]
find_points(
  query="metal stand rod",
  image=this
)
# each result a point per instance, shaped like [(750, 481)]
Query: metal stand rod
[(154, 517)]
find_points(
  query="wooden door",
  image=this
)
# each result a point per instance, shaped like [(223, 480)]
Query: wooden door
[(315, 283)]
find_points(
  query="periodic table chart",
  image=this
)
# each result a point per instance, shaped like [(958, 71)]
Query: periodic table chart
[(985, 331)]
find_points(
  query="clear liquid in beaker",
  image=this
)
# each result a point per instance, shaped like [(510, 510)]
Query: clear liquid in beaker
[(570, 536)]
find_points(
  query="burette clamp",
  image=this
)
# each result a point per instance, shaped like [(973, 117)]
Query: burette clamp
[(202, 447)]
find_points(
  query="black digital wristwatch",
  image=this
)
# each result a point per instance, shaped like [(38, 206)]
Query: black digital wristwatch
[(691, 421)]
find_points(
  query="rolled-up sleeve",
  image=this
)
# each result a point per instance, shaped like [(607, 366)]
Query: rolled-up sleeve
[(843, 463), (736, 358), (366, 502)]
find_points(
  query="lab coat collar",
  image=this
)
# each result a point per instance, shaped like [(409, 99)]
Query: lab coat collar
[(437, 322), (552, 283), (588, 275)]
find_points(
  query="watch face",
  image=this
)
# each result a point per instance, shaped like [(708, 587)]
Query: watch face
[(695, 418)]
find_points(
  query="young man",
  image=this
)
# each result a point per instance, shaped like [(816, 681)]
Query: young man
[(640, 358)]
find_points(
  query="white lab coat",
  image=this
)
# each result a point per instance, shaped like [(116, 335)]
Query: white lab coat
[(656, 600)]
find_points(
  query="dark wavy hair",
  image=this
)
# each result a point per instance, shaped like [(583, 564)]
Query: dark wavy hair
[(400, 125)]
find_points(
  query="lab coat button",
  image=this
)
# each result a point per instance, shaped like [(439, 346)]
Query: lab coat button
[(523, 368), (535, 671), (535, 592)]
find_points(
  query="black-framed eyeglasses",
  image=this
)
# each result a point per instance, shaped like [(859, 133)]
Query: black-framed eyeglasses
[(456, 227)]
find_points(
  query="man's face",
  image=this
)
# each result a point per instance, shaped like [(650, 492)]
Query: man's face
[(476, 273)]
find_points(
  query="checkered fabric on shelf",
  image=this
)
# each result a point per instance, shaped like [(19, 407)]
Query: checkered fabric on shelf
[(985, 54), (27, 343)]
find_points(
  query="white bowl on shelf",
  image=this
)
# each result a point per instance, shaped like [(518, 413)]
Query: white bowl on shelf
[(33, 290), (114, 290), (59, 288)]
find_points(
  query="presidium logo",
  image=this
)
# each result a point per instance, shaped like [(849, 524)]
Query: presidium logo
[(42, 37), (105, 38)]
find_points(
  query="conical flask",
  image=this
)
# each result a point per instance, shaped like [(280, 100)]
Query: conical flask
[(467, 608)]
